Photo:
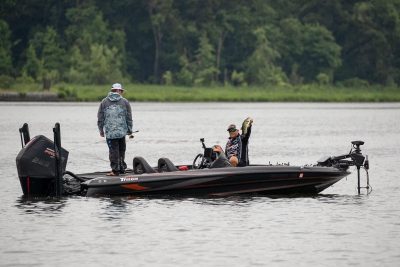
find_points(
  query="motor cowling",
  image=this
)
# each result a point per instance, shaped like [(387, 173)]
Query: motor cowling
[(36, 165)]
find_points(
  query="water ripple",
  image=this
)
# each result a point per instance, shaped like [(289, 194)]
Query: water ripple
[(335, 228)]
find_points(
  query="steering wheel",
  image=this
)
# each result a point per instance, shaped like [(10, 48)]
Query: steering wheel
[(199, 162)]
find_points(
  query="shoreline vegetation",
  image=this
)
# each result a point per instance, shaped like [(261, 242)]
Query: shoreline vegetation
[(164, 93), (201, 51), (264, 50)]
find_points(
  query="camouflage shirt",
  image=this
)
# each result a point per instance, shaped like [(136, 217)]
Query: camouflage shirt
[(114, 117), (238, 147), (234, 147)]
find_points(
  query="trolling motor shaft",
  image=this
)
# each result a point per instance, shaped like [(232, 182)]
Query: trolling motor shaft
[(360, 161)]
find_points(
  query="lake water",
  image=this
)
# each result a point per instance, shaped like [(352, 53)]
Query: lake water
[(335, 228)]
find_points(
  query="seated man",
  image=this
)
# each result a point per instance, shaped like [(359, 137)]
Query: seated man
[(237, 145), (221, 161)]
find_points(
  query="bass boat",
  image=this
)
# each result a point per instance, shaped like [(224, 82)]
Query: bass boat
[(41, 166)]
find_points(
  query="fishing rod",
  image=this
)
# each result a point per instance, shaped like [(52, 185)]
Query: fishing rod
[(90, 155), (131, 136)]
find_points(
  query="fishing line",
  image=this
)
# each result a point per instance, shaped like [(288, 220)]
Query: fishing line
[(130, 137)]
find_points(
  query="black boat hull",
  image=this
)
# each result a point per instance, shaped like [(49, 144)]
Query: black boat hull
[(217, 182)]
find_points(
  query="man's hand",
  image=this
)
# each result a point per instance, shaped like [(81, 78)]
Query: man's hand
[(251, 121)]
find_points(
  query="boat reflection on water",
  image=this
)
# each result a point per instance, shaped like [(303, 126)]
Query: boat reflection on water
[(40, 205)]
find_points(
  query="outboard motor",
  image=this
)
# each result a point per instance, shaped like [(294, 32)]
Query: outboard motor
[(38, 165)]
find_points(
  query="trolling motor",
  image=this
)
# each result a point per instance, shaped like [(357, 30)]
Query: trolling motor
[(353, 158)]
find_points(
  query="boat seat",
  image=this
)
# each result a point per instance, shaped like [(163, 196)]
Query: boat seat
[(165, 165), (140, 166), (220, 162)]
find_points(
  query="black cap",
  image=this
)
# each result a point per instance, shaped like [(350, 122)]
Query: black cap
[(232, 128)]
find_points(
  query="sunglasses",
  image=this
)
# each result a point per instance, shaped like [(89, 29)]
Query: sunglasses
[(232, 130)]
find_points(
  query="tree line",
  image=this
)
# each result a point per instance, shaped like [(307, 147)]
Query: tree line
[(207, 42)]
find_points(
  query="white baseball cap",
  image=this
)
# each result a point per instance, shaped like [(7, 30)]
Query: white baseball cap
[(117, 86)]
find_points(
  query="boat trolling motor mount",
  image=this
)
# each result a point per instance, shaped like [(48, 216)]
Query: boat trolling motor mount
[(353, 158)]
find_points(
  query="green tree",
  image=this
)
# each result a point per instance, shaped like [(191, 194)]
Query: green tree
[(25, 18), (309, 40), (45, 57), (240, 44), (261, 65), (307, 50), (77, 72), (160, 13), (374, 42), (290, 43), (96, 51), (104, 64), (216, 19), (321, 52), (185, 75), (86, 26), (368, 32), (205, 69), (33, 66), (100, 66), (5, 49)]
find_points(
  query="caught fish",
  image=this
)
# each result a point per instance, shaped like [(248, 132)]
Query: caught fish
[(246, 125)]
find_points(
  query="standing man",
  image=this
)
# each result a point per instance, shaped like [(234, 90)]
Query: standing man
[(114, 120)]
